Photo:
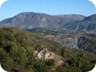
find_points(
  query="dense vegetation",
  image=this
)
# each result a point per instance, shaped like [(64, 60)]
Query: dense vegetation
[(17, 47)]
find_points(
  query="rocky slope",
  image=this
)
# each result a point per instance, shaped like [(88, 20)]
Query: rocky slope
[(80, 41), (84, 40), (46, 54)]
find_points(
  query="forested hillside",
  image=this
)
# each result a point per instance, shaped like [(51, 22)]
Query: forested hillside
[(17, 49)]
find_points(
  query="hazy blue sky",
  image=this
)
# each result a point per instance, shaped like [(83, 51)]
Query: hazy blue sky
[(13, 7)]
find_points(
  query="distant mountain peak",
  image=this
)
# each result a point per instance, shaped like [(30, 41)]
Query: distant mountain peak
[(71, 22), (26, 20)]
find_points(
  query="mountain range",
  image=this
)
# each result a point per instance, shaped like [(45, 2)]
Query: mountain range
[(28, 20), (72, 22), (87, 24)]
